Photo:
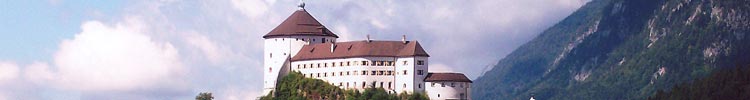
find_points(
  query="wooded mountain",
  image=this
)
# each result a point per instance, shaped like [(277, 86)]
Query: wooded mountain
[(623, 49)]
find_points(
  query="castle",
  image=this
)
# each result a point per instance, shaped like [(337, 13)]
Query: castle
[(302, 44)]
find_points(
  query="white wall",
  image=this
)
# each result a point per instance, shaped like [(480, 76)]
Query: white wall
[(354, 68), (411, 81), (444, 90), (276, 54)]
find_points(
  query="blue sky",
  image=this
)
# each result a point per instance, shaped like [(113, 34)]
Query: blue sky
[(173, 49)]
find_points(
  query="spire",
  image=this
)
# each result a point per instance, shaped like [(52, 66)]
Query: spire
[(301, 5)]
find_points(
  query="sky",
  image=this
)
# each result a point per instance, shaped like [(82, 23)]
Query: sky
[(174, 49)]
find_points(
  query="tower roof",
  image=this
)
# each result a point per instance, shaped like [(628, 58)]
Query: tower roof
[(446, 77), (360, 49), (300, 23)]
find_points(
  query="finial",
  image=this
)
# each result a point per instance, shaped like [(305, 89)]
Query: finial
[(301, 5)]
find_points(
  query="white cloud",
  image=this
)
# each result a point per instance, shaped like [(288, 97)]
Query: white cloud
[(38, 73), (109, 58), (8, 71), (251, 8), (209, 48)]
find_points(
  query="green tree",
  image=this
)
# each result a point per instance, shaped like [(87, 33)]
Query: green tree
[(204, 96)]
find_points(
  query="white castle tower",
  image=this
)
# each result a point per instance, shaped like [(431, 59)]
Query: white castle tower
[(284, 41)]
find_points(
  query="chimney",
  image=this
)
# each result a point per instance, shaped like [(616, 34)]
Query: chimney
[(333, 47), (308, 41), (368, 38), (403, 38)]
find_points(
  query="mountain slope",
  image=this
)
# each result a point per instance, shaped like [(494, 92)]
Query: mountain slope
[(623, 49)]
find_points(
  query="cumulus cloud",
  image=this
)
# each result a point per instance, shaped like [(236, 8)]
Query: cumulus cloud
[(251, 8), (8, 71), (464, 35), (109, 58), (209, 48)]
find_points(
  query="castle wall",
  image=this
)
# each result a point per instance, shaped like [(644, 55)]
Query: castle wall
[(393, 74), (448, 90)]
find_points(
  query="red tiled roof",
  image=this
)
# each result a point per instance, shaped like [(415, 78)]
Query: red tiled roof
[(446, 77), (300, 23), (360, 49)]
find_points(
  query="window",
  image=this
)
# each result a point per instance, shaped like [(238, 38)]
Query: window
[(333, 64), (373, 73), (363, 84), (348, 63), (420, 86), (303, 66), (405, 63), (323, 40), (313, 39), (270, 69), (318, 74), (404, 72), (438, 95), (419, 72), (389, 85), (433, 84), (325, 64), (420, 62), (318, 65), (270, 55), (389, 73), (404, 85), (298, 66), (462, 84), (364, 72), (325, 74), (333, 73), (453, 85), (347, 72), (364, 63), (442, 84), (381, 84)]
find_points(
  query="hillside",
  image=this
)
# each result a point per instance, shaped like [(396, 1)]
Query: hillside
[(727, 84), (623, 49)]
